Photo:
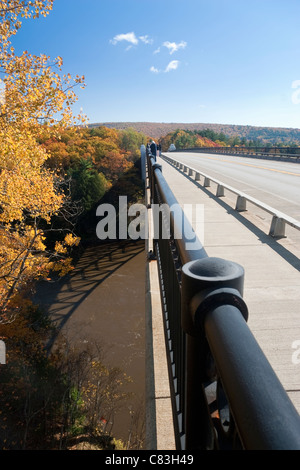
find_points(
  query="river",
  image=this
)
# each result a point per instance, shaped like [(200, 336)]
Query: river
[(103, 301)]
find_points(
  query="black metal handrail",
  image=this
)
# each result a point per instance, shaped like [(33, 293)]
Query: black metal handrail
[(225, 393)]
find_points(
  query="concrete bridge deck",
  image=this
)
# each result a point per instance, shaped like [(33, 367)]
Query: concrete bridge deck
[(272, 271)]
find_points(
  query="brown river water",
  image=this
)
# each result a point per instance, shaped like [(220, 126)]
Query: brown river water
[(103, 301)]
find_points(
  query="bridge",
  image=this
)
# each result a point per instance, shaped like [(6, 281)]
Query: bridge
[(223, 301)]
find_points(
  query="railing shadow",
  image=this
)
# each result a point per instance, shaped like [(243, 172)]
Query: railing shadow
[(60, 298)]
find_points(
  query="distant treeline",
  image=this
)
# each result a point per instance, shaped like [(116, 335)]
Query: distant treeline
[(208, 138), (205, 138), (276, 136)]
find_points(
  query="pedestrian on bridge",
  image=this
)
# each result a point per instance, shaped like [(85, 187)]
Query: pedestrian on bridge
[(148, 150), (158, 150), (153, 148)]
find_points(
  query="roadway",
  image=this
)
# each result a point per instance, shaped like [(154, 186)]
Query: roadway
[(272, 266), (272, 182)]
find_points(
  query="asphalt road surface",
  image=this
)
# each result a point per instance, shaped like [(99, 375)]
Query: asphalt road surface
[(272, 182)]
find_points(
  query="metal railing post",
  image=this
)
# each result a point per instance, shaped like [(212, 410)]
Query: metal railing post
[(143, 162), (206, 283), (152, 166)]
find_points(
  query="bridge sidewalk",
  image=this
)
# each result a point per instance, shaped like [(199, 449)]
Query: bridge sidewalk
[(272, 272)]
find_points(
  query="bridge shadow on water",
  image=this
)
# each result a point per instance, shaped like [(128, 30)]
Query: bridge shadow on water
[(262, 236), (63, 297), (101, 264), (103, 301)]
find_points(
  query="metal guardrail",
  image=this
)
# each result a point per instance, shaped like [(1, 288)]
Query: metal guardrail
[(291, 154), (225, 393), (279, 219)]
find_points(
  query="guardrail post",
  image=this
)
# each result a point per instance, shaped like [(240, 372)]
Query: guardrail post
[(206, 284), (220, 191), (206, 182), (277, 227), (240, 204), (197, 176)]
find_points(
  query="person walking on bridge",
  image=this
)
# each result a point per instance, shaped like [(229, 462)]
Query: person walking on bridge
[(148, 150), (153, 149), (158, 150)]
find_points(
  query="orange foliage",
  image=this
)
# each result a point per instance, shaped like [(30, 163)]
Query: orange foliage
[(114, 164)]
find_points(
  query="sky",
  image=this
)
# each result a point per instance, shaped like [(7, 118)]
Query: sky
[(186, 61)]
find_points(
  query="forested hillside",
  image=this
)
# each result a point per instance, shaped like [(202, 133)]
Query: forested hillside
[(267, 135)]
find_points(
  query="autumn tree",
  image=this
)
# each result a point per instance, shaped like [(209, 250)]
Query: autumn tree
[(131, 141), (36, 100)]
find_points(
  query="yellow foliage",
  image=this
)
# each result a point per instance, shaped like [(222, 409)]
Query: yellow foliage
[(35, 102), (71, 240)]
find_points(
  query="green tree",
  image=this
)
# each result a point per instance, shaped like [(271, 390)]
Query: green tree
[(131, 141), (87, 185)]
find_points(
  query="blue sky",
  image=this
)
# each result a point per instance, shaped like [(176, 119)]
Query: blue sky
[(213, 61)]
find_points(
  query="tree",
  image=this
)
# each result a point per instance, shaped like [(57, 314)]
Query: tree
[(88, 186), (131, 141), (36, 102)]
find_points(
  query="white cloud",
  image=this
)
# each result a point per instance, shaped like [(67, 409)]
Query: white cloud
[(132, 39), (173, 46), (129, 37), (146, 39), (157, 51), (173, 65)]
